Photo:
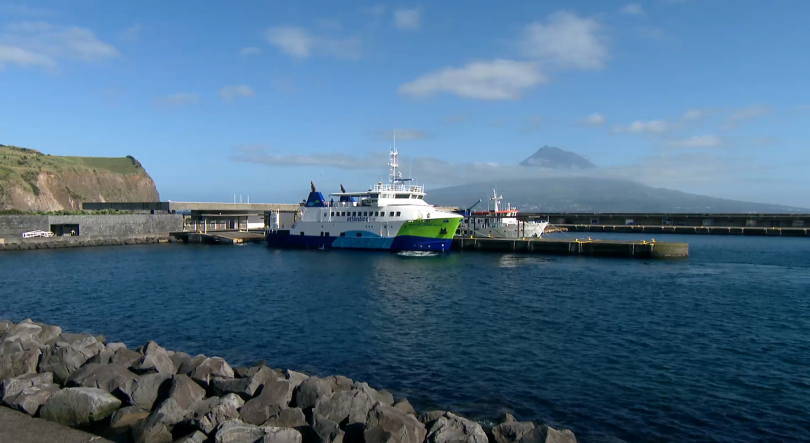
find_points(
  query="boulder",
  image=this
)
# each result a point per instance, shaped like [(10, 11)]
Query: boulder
[(428, 418), (387, 424), (451, 428), (345, 406), (308, 392), (13, 386), (274, 396), (211, 412), (242, 371), (188, 365), (144, 390), (63, 359), (244, 387), (384, 397), (295, 378), (507, 418), (209, 368), (126, 417), (68, 337), (126, 357), (325, 430), (28, 331), (405, 406), (274, 434), (340, 383), (79, 406), (4, 325), (547, 434), (194, 437), (96, 375), (179, 358), (105, 357), (236, 431), (288, 418), (511, 431), (155, 360), (19, 363), (47, 332), (157, 427), (185, 391), (31, 398)]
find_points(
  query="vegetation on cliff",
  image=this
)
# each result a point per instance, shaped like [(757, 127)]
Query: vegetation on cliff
[(33, 181)]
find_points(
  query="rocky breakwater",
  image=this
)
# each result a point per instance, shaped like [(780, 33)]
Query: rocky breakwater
[(152, 395)]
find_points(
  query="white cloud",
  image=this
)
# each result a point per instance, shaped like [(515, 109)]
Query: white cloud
[(43, 44), (376, 10), (640, 127), (229, 93), (696, 142), (566, 41), (495, 80), (407, 19), (178, 99), (633, 9), (17, 9), (694, 114), (300, 43), (402, 134), (747, 113), (455, 118), (595, 119), (535, 123), (250, 50), (131, 34), (21, 57)]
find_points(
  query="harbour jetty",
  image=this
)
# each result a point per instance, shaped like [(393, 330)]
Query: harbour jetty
[(575, 246), (152, 395)]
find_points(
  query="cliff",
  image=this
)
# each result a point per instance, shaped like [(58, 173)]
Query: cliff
[(31, 180)]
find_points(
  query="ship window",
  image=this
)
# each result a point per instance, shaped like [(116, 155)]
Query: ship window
[(302, 233), (354, 214), (342, 234), (327, 234), (391, 214), (403, 195), (359, 234), (365, 213), (333, 214), (398, 214)]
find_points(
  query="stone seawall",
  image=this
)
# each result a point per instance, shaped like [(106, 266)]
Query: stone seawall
[(26, 244), (152, 395), (12, 226)]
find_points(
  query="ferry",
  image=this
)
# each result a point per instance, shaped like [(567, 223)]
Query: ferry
[(500, 223), (389, 216)]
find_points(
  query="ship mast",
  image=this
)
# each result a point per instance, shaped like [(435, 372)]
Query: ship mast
[(392, 161)]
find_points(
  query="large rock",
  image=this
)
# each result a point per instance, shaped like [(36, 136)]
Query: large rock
[(430, 417), (244, 387), (68, 337), (19, 363), (547, 434), (209, 368), (31, 398), (387, 424), (345, 406), (144, 390), (155, 360), (27, 331), (287, 418), (126, 357), (79, 406), (179, 358), (310, 390), (451, 428), (4, 325), (157, 427), (188, 365), (384, 397), (211, 412), (63, 359), (511, 431), (280, 435), (295, 378), (13, 386), (47, 332), (340, 383), (96, 375), (185, 391), (126, 417), (275, 396), (236, 431), (105, 357), (405, 406), (325, 430), (194, 437)]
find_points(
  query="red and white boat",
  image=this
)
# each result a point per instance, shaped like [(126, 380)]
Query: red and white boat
[(500, 223)]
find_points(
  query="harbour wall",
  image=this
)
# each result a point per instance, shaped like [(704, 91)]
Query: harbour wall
[(149, 395), (13, 226)]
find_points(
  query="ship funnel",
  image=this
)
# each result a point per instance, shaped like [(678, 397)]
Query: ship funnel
[(312, 185)]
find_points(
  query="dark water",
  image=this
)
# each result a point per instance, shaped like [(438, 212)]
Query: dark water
[(715, 348)]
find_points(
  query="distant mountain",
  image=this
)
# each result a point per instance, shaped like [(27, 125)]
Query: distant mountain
[(587, 194), (549, 157)]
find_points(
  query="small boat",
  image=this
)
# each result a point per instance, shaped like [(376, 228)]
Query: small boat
[(500, 223), (389, 216)]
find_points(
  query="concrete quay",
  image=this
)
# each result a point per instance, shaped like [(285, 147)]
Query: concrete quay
[(582, 247), (699, 230)]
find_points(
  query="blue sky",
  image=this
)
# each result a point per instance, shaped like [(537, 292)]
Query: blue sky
[(260, 98)]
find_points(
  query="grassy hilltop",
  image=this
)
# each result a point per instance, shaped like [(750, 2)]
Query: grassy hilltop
[(31, 180)]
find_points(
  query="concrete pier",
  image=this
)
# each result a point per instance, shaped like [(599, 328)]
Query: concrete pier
[(225, 237), (603, 248), (699, 230)]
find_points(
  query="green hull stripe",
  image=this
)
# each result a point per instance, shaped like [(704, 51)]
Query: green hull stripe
[(435, 228)]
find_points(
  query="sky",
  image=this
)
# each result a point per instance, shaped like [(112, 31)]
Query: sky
[(257, 98)]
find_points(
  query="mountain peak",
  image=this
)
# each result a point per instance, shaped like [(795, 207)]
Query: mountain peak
[(550, 157)]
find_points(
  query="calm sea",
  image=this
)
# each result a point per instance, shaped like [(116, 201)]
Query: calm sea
[(713, 348)]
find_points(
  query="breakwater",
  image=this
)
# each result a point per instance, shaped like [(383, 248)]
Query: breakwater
[(153, 395), (27, 244)]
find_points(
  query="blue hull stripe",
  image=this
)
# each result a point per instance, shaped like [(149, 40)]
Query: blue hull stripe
[(399, 243)]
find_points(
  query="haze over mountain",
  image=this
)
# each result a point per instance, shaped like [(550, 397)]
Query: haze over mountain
[(592, 192), (550, 157)]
